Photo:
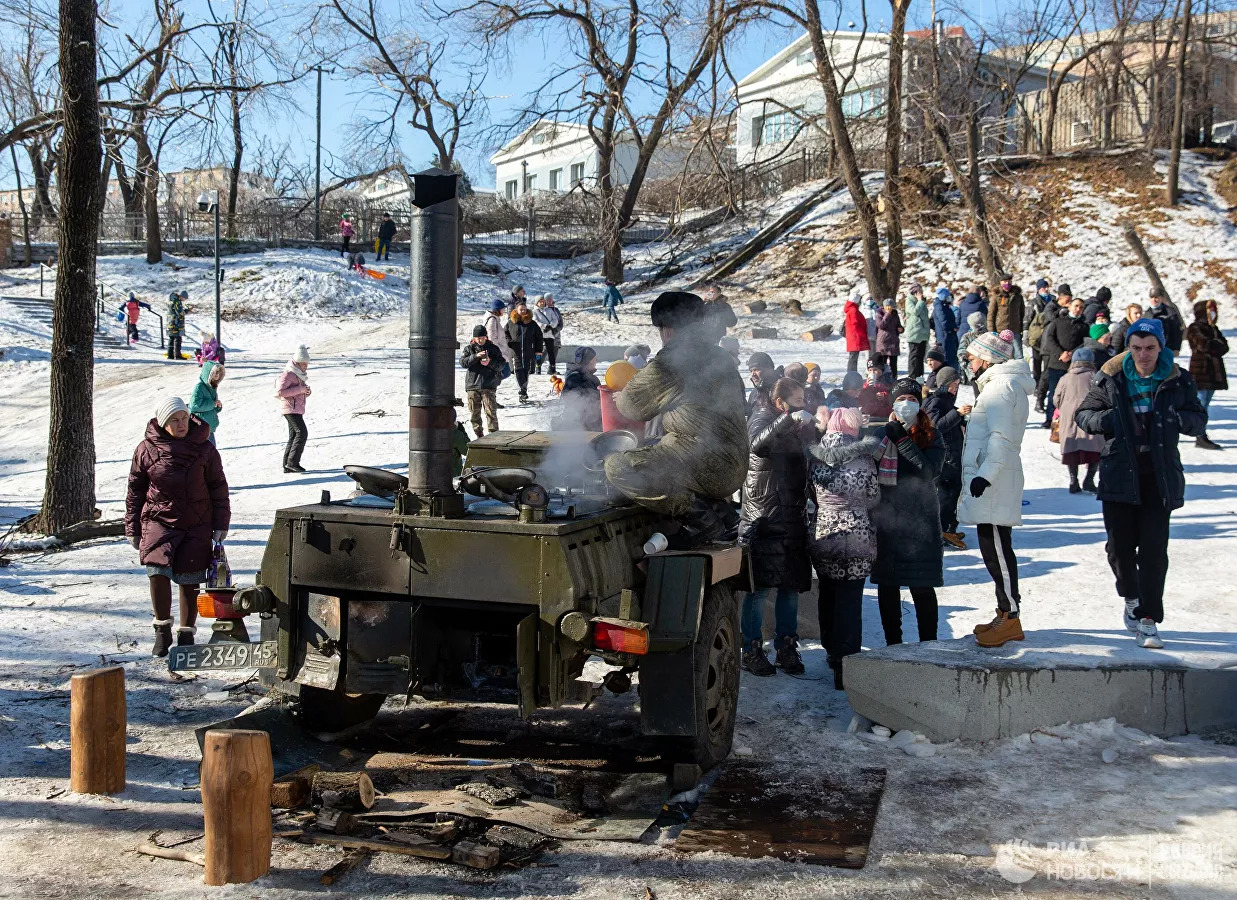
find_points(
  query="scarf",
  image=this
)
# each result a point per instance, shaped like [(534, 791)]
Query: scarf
[(1141, 389), (295, 370), (887, 474)]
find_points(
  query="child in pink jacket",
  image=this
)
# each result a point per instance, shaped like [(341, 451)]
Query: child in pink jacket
[(292, 387)]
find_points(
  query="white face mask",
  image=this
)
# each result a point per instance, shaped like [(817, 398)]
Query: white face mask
[(1211, 315), (906, 411)]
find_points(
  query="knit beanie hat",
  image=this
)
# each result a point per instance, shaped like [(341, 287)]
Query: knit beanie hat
[(996, 348), (1153, 327), (301, 355), (846, 419), (1042, 283), (478, 331), (584, 354), (852, 381), (917, 288), (976, 320), (906, 387), (1098, 330), (945, 377), (760, 360), (497, 306), (168, 408), (937, 354), (811, 367), (1083, 355)]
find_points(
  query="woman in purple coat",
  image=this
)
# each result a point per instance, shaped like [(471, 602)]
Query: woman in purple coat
[(888, 327), (175, 509)]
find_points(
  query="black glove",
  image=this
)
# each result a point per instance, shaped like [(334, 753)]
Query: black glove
[(979, 485), (895, 430)]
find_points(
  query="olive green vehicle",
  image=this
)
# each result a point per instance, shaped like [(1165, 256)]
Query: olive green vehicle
[(501, 587)]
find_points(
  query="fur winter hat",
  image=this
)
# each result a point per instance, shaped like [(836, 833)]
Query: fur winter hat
[(301, 355), (846, 419), (676, 309), (169, 408), (995, 348)]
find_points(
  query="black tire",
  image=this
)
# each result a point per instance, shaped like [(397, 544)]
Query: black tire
[(715, 680), (323, 710)]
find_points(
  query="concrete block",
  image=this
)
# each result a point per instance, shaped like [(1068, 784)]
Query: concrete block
[(950, 690)]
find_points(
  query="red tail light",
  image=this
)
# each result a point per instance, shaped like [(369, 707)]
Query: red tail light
[(621, 638)]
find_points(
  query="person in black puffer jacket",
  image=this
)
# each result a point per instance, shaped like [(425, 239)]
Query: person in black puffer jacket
[(1141, 402), (908, 519), (941, 408), (1063, 335), (773, 524), (1207, 349)]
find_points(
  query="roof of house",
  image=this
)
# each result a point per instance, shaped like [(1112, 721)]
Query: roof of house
[(804, 42), (561, 134)]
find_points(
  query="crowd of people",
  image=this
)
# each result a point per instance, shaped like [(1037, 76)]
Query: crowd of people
[(872, 480)]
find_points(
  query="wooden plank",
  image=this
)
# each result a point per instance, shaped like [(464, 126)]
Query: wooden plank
[(343, 867), (351, 843), (755, 810)]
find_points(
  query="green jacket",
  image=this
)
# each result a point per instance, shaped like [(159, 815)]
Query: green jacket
[(917, 323), (204, 397)]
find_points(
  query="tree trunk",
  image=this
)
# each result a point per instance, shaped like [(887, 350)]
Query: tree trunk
[(970, 186), (69, 496), (238, 153), (148, 172), (1174, 159), (21, 203)]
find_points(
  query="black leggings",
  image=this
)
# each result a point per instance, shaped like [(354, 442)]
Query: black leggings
[(840, 604), (889, 599), (298, 434), (996, 544)]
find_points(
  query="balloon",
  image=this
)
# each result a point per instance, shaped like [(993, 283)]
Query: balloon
[(618, 374)]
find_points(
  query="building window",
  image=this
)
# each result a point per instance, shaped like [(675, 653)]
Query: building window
[(862, 103), (556, 179), (512, 189), (775, 129), (806, 58), (531, 184), (577, 173)]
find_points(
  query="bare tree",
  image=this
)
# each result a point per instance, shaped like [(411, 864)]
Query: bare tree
[(69, 495), (614, 57), (1174, 159)]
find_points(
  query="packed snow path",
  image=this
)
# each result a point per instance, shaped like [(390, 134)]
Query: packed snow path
[(969, 821)]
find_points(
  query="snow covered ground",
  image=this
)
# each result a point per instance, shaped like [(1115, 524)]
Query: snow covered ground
[(1046, 811)]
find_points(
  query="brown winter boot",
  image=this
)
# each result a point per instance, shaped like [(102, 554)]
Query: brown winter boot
[(1004, 628), (988, 626), (955, 539)]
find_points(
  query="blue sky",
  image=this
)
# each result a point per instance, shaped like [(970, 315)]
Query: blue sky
[(345, 101)]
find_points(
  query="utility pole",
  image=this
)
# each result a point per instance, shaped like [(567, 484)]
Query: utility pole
[(318, 162)]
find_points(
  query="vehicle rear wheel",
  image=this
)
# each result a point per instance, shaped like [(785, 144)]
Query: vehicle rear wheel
[(715, 679), (323, 710)]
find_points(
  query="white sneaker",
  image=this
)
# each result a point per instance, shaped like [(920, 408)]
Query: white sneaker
[(1131, 621), (1148, 636)]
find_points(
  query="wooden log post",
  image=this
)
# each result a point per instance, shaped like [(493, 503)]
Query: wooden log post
[(97, 731), (237, 773)]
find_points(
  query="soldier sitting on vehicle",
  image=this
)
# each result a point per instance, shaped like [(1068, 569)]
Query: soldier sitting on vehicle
[(692, 384)]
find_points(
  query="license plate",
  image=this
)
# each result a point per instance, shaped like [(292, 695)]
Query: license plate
[(222, 655)]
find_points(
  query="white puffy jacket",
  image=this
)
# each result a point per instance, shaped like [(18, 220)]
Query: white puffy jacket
[(994, 444)]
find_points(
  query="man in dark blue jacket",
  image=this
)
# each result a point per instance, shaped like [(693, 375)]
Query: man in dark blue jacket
[(972, 302), (945, 326), (1141, 402)]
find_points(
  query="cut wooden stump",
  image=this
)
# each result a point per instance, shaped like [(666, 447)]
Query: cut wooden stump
[(466, 853), (291, 792), (97, 731), (336, 821), (236, 789), (758, 333), (756, 306), (350, 791), (817, 334)]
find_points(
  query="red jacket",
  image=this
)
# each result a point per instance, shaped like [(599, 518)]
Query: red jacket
[(177, 496), (856, 328), (133, 309)]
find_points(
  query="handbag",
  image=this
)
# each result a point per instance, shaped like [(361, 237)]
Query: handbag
[(506, 370), (1055, 434), (219, 573)]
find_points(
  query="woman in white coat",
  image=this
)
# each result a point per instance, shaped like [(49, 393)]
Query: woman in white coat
[(992, 472)]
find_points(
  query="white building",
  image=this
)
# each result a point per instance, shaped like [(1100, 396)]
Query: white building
[(782, 104)]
